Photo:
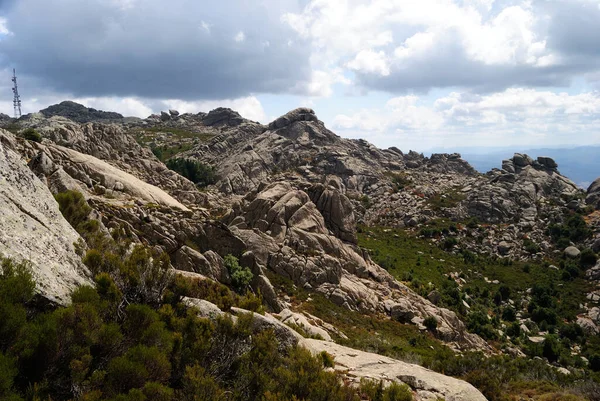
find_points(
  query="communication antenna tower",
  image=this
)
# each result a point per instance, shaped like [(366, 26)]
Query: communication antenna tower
[(17, 98)]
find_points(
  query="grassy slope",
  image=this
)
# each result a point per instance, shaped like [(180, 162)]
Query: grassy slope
[(418, 261), (146, 136)]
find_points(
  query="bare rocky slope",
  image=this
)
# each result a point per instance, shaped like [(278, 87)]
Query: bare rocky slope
[(33, 229), (288, 203)]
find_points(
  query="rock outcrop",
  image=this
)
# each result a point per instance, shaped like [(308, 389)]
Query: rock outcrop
[(354, 365), (287, 234), (79, 113), (514, 193), (222, 117), (34, 230), (427, 385), (593, 194)]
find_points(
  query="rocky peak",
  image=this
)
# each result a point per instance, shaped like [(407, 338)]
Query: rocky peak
[(593, 194), (222, 117), (299, 114), (79, 113), (519, 162), (445, 163)]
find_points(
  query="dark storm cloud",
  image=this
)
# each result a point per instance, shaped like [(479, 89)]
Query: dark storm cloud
[(183, 49)]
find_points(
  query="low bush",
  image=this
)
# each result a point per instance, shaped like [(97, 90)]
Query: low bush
[(573, 229), (328, 360), (159, 353), (240, 276), (199, 173), (430, 323), (31, 135), (376, 391), (74, 208)]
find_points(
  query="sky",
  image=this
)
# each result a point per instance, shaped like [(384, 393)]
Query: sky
[(415, 74)]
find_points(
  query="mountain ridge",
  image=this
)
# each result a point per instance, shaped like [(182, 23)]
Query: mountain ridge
[(323, 223)]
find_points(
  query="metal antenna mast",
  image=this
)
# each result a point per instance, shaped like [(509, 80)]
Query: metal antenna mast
[(17, 98)]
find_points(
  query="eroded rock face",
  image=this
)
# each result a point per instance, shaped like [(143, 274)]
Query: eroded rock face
[(593, 194), (33, 229), (250, 153), (337, 211), (514, 193), (222, 117), (210, 265), (111, 144), (287, 234), (427, 385)]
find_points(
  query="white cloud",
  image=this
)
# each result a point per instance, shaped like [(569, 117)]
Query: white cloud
[(127, 106), (509, 38), (381, 39), (240, 37), (370, 61), (511, 117), (402, 113), (322, 81), (205, 26), (4, 27), (124, 4)]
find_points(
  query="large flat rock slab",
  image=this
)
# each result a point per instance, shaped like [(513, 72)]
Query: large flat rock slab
[(427, 384), (32, 228)]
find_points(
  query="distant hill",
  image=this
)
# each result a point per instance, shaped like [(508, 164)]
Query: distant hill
[(79, 113), (580, 164)]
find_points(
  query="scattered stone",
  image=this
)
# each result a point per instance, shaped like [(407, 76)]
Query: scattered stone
[(537, 339), (572, 252), (504, 247)]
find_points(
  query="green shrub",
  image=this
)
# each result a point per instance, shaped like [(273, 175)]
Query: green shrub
[(16, 289), (595, 362), (587, 258), (450, 243), (397, 392), (479, 323), (158, 152), (31, 135), (509, 314), (514, 330), (376, 391), (73, 207), (431, 323), (366, 201), (105, 346), (327, 358), (487, 383), (572, 331), (573, 229), (240, 276), (551, 349), (199, 385), (197, 172), (530, 246), (400, 181), (8, 371)]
